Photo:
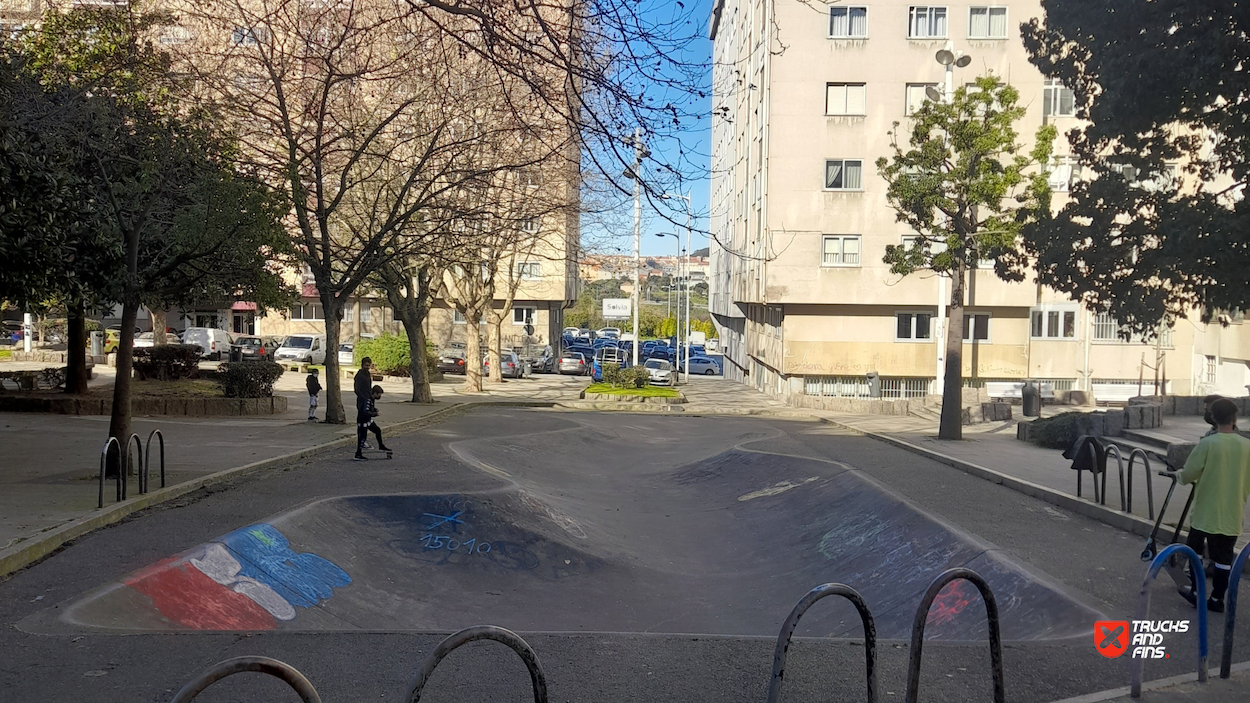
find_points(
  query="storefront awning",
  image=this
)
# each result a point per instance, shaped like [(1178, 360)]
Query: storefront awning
[(241, 306)]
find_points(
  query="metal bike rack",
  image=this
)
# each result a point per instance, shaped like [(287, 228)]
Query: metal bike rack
[(1143, 607), (121, 470), (264, 665), (792, 622), (472, 634), (1150, 492), (147, 461), (1230, 612), (1119, 462), (134, 440), (922, 615), (1098, 497)]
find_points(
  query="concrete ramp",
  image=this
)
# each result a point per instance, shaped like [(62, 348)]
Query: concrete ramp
[(722, 546)]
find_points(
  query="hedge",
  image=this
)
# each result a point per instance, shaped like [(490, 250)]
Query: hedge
[(169, 362), (248, 379), (1054, 432), (391, 356)]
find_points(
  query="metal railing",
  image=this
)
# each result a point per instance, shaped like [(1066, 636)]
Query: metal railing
[(1150, 491), (147, 461), (472, 634), (922, 616), (140, 460), (264, 665), (792, 622), (1230, 612), (1143, 607), (121, 470)]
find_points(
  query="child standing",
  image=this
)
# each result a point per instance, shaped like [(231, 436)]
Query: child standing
[(314, 389), (365, 424), (1220, 465)]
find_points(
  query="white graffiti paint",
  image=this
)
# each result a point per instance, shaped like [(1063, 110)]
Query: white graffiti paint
[(220, 565), (775, 489)]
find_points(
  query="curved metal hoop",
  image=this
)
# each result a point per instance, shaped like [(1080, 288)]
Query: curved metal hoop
[(472, 634), (133, 441), (792, 622), (147, 461), (1119, 462), (1143, 607), (263, 665), (922, 615), (121, 470), (1150, 493), (1230, 612)]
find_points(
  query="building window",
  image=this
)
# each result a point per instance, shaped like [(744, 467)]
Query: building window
[(175, 34), (245, 36), (1210, 369), (1048, 323), (529, 270), (844, 174), (528, 178), (523, 316), (987, 23), (530, 225), (1060, 173), (926, 22), (1057, 101), (307, 311), (913, 326), (457, 317), (845, 98), (349, 313), (848, 23), (366, 313), (916, 96), (976, 327), (839, 250)]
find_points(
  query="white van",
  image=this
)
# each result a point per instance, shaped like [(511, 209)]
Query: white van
[(303, 348), (213, 343)]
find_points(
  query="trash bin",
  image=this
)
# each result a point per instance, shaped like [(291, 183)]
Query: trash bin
[(1031, 399), (97, 343), (874, 384), (236, 353)]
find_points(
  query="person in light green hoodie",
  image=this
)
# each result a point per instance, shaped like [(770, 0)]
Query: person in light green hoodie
[(1220, 466)]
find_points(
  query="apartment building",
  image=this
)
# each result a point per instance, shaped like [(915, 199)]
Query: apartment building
[(804, 96)]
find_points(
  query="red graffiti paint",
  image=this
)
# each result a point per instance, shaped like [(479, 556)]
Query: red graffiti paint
[(186, 596), (950, 601)]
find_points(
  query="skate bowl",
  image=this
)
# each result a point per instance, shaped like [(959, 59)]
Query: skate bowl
[(721, 546)]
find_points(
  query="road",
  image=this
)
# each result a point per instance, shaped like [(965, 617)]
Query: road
[(645, 558)]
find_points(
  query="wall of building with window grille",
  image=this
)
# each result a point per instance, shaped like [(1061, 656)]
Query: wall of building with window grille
[(857, 387)]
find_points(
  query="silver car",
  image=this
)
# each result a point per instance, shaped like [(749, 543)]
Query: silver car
[(703, 366), (573, 363), (510, 365), (660, 371)]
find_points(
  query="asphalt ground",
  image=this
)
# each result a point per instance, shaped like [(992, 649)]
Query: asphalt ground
[(1092, 564)]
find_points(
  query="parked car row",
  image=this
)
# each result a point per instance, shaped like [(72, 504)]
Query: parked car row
[(452, 360)]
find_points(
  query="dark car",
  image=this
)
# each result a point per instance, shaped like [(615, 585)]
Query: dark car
[(661, 353), (254, 348), (539, 358), (451, 361), (585, 350)]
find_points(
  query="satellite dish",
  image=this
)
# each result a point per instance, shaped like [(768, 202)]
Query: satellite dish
[(945, 57), (963, 61), (932, 93)]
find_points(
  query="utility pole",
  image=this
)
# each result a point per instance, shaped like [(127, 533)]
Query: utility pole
[(637, 233), (689, 217)]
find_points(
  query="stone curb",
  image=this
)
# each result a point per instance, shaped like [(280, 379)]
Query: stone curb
[(1213, 674), (32, 550), (1122, 521)]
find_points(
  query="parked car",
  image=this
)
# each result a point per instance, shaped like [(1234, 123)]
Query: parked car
[(213, 343), (540, 359), (347, 354), (703, 366), (573, 363), (604, 356), (510, 365), (661, 353), (451, 361), (660, 372), (583, 349), (613, 332), (303, 348), (253, 348), (145, 339)]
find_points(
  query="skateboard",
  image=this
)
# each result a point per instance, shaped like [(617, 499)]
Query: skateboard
[(389, 454)]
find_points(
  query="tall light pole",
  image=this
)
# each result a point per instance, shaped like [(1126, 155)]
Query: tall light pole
[(677, 331), (949, 59), (636, 174), (689, 225)]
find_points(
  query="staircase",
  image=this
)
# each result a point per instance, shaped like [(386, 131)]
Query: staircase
[(1157, 445)]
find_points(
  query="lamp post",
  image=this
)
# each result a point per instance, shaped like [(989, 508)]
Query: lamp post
[(677, 332), (689, 218), (948, 59)]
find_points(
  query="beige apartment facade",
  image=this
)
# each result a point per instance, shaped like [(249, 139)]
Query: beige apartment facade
[(800, 221)]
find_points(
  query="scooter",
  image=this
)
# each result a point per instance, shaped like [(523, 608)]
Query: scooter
[(1175, 566)]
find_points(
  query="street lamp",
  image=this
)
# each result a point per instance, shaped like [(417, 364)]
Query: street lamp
[(689, 218), (949, 59), (677, 332)]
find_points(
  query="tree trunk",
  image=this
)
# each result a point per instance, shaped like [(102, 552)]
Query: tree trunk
[(411, 301), (333, 309), (495, 349), (76, 354), (951, 426), (158, 327), (473, 353), (119, 423)]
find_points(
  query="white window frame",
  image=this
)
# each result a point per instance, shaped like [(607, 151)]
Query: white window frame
[(930, 12), (528, 314), (529, 225), (524, 270), (1210, 370), (248, 36), (349, 313), (913, 339), (458, 318), (844, 162), (1059, 166), (1052, 98), (842, 239), (848, 9), (908, 108), (989, 11), (1062, 312), (366, 312), (970, 327), (849, 108)]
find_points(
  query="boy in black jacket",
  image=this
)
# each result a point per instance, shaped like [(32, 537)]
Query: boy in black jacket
[(364, 423), (314, 389)]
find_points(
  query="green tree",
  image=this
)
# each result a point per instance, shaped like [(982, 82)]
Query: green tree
[(966, 185), (1166, 87)]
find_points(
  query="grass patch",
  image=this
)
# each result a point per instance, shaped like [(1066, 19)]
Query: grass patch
[(648, 392), (196, 388), (6, 353)]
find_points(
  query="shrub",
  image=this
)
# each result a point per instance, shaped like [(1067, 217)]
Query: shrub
[(169, 362), (389, 353), (248, 379), (637, 377), (1054, 432), (613, 376)]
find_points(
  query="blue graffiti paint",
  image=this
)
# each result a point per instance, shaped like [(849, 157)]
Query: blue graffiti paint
[(303, 579), (453, 519)]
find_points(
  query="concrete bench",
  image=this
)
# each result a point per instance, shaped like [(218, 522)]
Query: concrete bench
[(1114, 392), (1014, 389)]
